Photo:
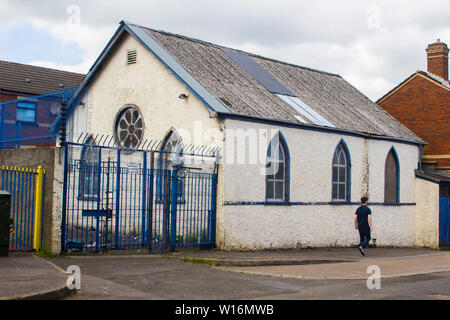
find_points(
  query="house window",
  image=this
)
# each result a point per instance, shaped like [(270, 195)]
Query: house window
[(171, 156), (277, 170), (391, 178), (129, 127), (89, 171), (341, 174), (26, 111)]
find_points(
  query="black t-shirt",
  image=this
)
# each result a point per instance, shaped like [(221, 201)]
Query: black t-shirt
[(363, 213)]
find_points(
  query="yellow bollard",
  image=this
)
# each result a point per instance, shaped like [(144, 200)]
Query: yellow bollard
[(38, 209)]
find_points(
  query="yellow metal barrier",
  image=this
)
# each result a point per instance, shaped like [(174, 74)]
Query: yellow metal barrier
[(38, 208)]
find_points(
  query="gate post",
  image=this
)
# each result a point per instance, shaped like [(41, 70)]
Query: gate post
[(38, 209), (173, 208), (116, 228), (144, 196), (64, 201), (99, 199), (212, 224)]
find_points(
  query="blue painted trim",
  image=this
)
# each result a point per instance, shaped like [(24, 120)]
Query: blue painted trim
[(287, 163), (173, 209), (212, 224), (324, 203), (99, 177), (118, 200), (35, 97), (144, 198), (311, 127)]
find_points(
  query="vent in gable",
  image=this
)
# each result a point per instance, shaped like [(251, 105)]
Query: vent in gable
[(131, 56)]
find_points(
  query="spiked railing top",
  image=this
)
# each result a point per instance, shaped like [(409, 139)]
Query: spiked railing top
[(151, 145)]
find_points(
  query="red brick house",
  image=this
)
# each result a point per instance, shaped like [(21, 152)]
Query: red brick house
[(28, 121), (422, 103)]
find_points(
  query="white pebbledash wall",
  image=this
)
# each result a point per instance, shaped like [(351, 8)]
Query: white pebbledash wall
[(315, 223), (427, 213), (150, 86)]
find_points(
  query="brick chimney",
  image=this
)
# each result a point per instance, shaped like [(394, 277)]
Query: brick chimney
[(437, 59)]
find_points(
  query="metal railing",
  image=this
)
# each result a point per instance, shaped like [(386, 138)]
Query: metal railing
[(117, 198)]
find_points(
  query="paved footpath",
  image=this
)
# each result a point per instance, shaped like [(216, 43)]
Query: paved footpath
[(26, 276), (388, 268), (332, 263)]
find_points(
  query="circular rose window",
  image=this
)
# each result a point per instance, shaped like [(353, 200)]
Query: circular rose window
[(129, 127)]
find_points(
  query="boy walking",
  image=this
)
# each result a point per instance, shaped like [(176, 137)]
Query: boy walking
[(363, 223)]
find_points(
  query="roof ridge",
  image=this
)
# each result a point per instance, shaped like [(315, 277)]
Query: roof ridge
[(234, 49)]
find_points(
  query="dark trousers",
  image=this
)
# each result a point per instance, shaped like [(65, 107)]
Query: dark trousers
[(364, 236)]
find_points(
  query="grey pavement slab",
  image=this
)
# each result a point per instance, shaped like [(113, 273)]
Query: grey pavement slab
[(297, 256), (388, 267), (26, 276)]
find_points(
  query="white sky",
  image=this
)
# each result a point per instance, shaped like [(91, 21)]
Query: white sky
[(373, 44)]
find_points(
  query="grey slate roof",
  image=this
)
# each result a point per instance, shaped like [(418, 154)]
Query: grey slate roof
[(328, 94), (13, 78)]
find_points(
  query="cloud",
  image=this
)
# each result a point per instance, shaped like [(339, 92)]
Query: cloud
[(373, 44)]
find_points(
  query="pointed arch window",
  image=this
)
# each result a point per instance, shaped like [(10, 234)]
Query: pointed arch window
[(172, 156), (277, 170), (89, 183), (341, 174), (391, 178)]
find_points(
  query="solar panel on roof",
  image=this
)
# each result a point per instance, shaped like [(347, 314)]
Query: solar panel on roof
[(257, 72)]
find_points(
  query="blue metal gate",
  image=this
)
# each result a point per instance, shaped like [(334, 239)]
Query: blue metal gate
[(444, 221), (117, 198), (22, 184)]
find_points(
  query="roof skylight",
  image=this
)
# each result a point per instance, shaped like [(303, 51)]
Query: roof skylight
[(305, 111)]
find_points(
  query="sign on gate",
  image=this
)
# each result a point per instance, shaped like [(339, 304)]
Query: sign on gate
[(133, 167)]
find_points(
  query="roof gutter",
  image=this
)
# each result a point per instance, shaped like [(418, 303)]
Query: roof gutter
[(312, 127)]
